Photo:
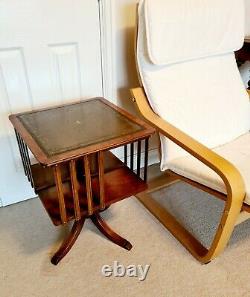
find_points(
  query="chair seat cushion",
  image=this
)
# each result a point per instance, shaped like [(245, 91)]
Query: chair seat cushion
[(237, 152)]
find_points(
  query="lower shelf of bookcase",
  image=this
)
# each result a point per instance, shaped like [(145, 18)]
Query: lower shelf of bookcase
[(120, 182)]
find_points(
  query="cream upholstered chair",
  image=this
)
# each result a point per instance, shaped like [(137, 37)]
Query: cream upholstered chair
[(192, 92), (247, 19)]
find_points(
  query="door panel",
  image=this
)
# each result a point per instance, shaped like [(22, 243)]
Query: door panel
[(49, 54)]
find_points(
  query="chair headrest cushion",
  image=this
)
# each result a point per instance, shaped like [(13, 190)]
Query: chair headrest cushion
[(173, 27), (247, 23)]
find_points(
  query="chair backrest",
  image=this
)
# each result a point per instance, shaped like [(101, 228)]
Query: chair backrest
[(185, 56), (247, 18)]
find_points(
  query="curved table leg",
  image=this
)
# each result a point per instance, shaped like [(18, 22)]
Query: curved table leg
[(68, 242), (109, 233)]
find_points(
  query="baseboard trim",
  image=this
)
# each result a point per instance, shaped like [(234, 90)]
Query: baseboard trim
[(153, 157)]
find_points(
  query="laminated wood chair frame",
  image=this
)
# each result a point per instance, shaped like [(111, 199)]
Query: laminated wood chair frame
[(235, 210)]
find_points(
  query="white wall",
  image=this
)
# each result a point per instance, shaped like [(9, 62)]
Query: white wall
[(125, 73), (124, 29)]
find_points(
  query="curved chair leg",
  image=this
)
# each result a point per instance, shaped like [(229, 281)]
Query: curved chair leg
[(109, 233), (68, 242), (231, 177), (201, 253)]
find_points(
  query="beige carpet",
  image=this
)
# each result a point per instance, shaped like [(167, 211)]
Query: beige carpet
[(28, 239)]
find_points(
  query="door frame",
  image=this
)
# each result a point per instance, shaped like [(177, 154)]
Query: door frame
[(106, 15)]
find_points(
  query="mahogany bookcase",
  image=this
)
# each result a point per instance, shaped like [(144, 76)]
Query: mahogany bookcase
[(75, 174), (243, 54)]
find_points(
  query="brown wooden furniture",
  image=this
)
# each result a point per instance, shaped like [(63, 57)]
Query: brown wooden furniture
[(243, 55), (77, 176)]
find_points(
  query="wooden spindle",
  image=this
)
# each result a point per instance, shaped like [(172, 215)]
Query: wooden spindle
[(21, 152), (28, 165), (132, 156), (139, 158), (101, 179), (75, 186), (24, 158), (125, 154), (88, 185), (59, 187), (146, 160)]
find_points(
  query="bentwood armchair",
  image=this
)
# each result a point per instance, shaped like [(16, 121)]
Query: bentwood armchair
[(192, 92)]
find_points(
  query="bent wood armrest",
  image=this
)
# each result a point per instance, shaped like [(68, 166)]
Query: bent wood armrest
[(230, 175)]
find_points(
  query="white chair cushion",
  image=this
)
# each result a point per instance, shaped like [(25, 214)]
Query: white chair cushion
[(247, 18), (182, 30), (204, 97), (237, 152)]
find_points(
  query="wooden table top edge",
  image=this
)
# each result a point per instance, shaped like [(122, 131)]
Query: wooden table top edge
[(128, 115), (29, 140), (46, 160)]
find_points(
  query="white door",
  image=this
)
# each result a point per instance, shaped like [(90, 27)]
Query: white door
[(49, 54)]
